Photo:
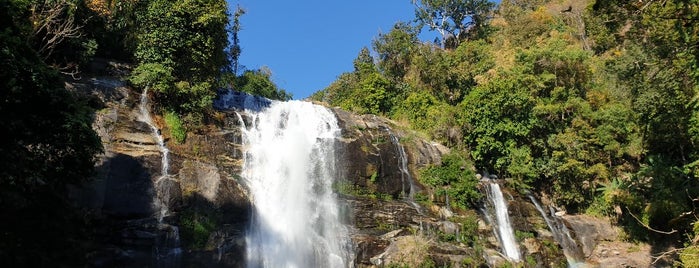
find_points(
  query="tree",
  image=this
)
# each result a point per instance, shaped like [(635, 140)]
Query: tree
[(259, 82), (452, 179), (189, 39), (394, 50), (454, 20), (48, 143), (364, 63), (234, 51)]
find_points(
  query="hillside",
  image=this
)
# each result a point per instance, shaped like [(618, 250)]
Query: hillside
[(116, 141)]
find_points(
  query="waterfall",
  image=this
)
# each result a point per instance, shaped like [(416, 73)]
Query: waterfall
[(146, 118), (501, 225), (562, 235), (404, 172), (168, 251), (289, 168)]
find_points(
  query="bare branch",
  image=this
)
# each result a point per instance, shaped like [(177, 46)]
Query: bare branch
[(665, 254), (52, 25), (648, 227)]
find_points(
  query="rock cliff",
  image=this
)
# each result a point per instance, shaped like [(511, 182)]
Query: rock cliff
[(392, 217)]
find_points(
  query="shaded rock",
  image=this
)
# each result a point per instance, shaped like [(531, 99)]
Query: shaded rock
[(128, 189), (366, 248), (201, 178), (590, 231)]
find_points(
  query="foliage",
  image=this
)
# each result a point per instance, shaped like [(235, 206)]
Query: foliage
[(394, 50), (153, 75), (177, 130), (196, 227), (48, 143), (186, 42), (259, 82), (454, 20), (454, 179), (51, 146)]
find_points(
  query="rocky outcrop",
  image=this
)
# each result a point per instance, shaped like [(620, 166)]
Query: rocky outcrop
[(602, 245), (208, 206), (128, 193), (371, 159)]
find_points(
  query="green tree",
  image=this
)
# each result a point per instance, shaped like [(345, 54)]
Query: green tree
[(453, 179), (189, 39), (372, 95), (454, 20), (48, 143), (395, 49), (259, 82)]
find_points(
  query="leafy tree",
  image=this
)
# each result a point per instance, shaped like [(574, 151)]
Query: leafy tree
[(449, 75), (454, 20), (235, 49), (372, 95), (188, 39), (394, 50), (48, 143), (498, 117), (259, 82), (452, 178), (364, 63)]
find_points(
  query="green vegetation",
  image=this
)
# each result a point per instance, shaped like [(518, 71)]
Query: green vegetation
[(594, 103), (180, 51), (48, 144), (196, 227), (454, 179), (176, 129), (591, 102)]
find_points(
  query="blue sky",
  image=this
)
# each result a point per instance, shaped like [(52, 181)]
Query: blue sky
[(307, 44)]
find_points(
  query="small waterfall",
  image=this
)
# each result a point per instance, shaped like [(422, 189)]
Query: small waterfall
[(561, 234), (289, 168), (404, 172), (167, 252), (501, 226), (146, 118)]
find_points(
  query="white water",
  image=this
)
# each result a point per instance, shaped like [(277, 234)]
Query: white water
[(403, 167), (289, 169), (146, 118), (167, 252), (502, 225), (562, 235)]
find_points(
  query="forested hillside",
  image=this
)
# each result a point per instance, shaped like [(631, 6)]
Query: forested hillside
[(593, 103)]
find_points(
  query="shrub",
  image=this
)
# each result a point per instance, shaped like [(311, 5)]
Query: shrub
[(177, 130)]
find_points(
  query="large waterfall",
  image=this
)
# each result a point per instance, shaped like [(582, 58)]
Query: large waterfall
[(289, 169), (501, 225)]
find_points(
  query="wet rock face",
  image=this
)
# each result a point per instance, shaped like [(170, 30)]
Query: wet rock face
[(369, 159), (128, 189)]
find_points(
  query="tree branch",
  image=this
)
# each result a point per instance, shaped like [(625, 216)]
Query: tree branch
[(664, 254), (648, 227)]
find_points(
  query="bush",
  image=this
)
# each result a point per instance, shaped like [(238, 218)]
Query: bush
[(453, 178), (177, 130)]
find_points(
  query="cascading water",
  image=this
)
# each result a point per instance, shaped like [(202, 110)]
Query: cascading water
[(501, 225), (404, 172), (167, 251), (289, 169), (562, 235), (146, 118)]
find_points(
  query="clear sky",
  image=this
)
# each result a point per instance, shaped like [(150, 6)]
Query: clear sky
[(308, 43)]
